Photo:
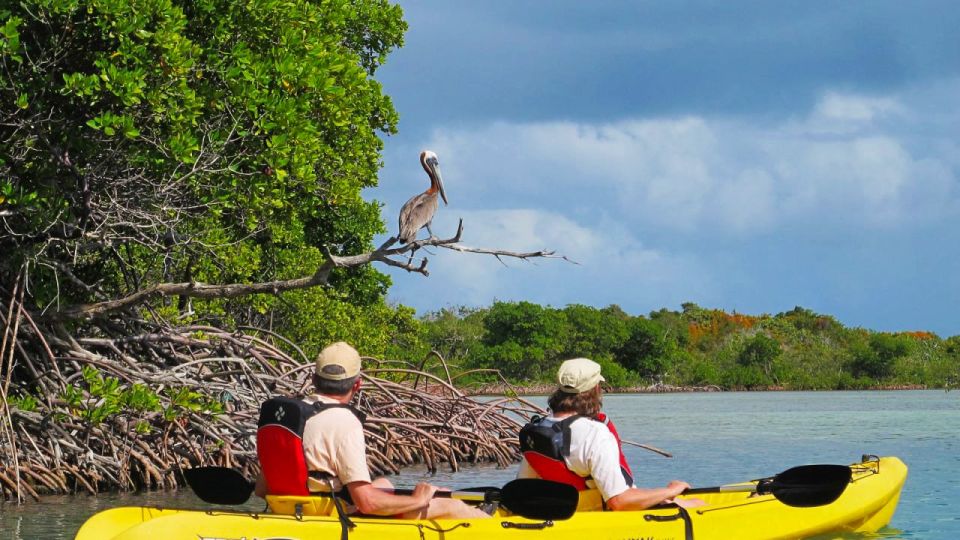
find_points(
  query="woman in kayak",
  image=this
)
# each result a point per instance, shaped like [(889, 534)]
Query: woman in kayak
[(578, 445)]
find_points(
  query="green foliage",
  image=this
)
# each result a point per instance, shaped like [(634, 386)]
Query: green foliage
[(513, 361), (10, 46), (615, 374), (744, 377), (184, 401), (677, 328), (695, 370), (593, 331), (455, 333), (25, 402), (323, 316), (105, 396), (139, 398), (890, 347), (647, 349), (797, 349), (952, 346), (806, 320), (524, 340), (211, 140), (760, 350), (875, 357), (101, 397)]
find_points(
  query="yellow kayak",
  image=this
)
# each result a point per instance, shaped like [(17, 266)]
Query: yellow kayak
[(865, 504)]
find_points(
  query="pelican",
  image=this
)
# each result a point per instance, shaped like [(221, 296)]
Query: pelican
[(417, 213)]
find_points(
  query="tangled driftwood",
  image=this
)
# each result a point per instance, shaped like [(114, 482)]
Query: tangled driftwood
[(63, 443)]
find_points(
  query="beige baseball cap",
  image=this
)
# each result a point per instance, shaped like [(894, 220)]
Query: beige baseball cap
[(338, 362), (579, 375)]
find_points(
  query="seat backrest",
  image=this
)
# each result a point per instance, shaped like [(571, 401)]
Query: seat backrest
[(280, 444), (308, 506)]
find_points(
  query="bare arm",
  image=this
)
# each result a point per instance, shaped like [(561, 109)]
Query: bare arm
[(372, 500), (640, 498)]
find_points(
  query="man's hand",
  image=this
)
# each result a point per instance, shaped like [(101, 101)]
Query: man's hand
[(677, 487), (423, 492)]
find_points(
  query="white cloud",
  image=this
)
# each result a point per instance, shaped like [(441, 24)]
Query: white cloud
[(604, 255), (849, 162), (835, 107)]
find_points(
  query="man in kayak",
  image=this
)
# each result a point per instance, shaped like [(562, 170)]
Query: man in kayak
[(334, 448), (578, 445)]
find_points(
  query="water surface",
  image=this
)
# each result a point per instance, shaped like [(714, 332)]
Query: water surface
[(715, 438)]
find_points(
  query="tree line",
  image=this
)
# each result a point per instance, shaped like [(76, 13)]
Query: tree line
[(693, 347)]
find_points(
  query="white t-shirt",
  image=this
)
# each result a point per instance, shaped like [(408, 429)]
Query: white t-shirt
[(593, 452), (333, 443)]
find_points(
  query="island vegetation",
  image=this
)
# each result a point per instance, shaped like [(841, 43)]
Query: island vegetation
[(692, 348)]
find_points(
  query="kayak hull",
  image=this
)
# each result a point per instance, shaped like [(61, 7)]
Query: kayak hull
[(867, 505)]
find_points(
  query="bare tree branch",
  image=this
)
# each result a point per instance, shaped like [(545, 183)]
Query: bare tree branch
[(386, 254)]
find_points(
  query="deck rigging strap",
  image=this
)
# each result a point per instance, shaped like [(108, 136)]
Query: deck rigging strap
[(683, 514), (346, 524)]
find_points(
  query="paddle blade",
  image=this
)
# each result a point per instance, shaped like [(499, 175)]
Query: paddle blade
[(807, 485), (219, 485), (534, 498)]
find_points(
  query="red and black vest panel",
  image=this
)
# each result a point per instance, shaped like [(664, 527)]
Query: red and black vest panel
[(624, 466), (280, 442), (544, 443)]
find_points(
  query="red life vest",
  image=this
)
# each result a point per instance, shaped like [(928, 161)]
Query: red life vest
[(624, 466), (545, 443), (280, 442)]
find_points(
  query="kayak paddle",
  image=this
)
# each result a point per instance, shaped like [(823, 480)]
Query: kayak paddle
[(219, 485), (528, 497), (803, 486), (534, 498)]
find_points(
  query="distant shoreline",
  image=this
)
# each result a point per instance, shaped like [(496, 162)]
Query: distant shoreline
[(547, 389)]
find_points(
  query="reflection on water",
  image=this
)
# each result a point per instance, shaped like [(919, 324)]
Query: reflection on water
[(59, 517), (716, 438)]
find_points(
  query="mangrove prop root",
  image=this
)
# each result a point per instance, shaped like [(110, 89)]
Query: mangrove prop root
[(117, 409)]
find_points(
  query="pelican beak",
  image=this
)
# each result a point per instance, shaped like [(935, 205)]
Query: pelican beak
[(434, 166)]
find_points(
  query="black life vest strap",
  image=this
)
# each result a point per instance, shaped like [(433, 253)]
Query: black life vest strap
[(271, 412), (565, 429), (564, 426), (320, 406), (540, 435), (327, 478)]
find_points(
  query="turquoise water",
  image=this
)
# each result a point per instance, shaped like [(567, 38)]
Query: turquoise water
[(715, 438)]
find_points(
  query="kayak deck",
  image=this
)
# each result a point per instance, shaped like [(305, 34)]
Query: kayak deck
[(866, 505)]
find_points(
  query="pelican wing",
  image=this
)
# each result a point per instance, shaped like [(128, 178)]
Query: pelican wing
[(415, 215)]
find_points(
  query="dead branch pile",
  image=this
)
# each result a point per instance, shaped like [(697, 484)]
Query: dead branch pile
[(124, 412)]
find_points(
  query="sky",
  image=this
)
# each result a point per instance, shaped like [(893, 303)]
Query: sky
[(745, 156)]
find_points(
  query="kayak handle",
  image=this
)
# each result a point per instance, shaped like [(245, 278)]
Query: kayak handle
[(526, 526)]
